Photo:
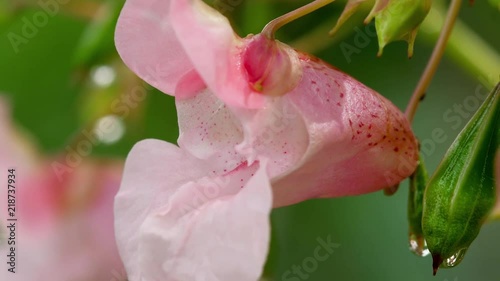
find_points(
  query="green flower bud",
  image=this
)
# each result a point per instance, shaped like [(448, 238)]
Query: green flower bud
[(399, 20), (418, 182), (461, 193), (353, 6)]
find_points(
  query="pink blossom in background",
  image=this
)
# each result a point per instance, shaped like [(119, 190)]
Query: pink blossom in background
[(261, 126), (65, 228)]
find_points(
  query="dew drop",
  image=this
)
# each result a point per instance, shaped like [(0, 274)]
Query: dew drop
[(455, 259), (418, 246)]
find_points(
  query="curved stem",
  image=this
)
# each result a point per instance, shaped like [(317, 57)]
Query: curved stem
[(434, 61), (271, 28), (483, 63)]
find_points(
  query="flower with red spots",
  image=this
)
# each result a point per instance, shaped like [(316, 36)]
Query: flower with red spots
[(261, 126)]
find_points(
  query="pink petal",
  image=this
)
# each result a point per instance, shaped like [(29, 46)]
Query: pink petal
[(146, 186), (360, 142), (180, 212), (231, 231), (209, 131), (276, 132), (215, 50), (148, 45)]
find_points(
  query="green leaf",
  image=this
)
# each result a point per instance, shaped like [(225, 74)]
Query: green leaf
[(461, 193)]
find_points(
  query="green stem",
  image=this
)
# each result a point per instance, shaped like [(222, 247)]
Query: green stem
[(271, 28), (434, 61), (466, 48)]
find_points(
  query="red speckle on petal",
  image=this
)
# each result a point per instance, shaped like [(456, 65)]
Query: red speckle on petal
[(396, 149)]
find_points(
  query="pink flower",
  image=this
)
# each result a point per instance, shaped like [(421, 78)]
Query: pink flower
[(261, 126), (66, 225)]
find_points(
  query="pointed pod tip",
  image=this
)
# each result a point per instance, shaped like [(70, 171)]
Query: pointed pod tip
[(334, 30), (367, 20), (410, 52), (436, 262)]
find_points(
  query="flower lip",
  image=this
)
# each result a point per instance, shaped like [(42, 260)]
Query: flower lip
[(268, 63)]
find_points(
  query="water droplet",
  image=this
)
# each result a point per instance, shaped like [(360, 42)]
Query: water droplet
[(455, 259), (418, 246)]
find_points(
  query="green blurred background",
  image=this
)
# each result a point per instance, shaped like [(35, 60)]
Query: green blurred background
[(50, 82)]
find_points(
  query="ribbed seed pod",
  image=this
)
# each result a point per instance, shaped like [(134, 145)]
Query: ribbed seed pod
[(462, 192)]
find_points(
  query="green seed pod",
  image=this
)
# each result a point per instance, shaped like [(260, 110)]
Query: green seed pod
[(418, 182), (399, 20), (461, 193)]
